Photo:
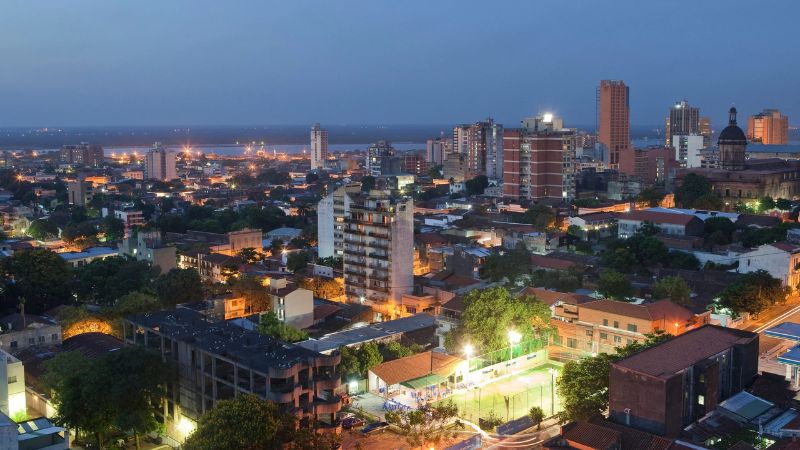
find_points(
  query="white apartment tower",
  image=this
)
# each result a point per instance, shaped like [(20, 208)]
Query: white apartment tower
[(160, 163), (331, 212), (319, 147), (379, 251)]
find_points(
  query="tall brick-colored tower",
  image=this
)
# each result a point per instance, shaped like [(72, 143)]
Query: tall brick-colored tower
[(613, 120)]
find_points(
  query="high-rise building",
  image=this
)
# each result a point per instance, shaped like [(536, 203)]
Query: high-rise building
[(688, 148), (83, 154), (539, 160), (481, 143), (436, 150), (706, 131), (683, 120), (415, 164), (377, 154), (160, 163), (379, 251), (319, 147), (331, 212), (768, 127), (614, 120)]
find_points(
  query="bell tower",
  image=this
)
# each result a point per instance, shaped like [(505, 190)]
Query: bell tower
[(732, 145)]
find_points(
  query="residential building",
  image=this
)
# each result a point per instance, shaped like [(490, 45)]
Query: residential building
[(539, 161), (594, 226), (12, 399), (601, 326), (34, 434), (83, 154), (292, 304), (331, 212), (768, 127), (79, 192), (436, 149), (614, 120), (379, 251), (456, 168), (481, 143), (218, 360), (601, 434), (378, 155), (415, 164), (663, 389), (81, 258), (688, 149), (683, 120), (149, 246), (418, 328), (780, 259), (23, 331), (671, 224), (160, 163), (319, 147)]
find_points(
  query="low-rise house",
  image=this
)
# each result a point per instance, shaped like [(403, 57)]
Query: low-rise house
[(780, 259), (79, 259), (416, 373), (285, 235), (594, 225), (23, 331), (678, 224), (149, 246)]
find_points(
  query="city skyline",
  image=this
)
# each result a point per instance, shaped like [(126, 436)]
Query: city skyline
[(97, 64)]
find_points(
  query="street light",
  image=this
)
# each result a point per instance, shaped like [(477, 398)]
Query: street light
[(553, 373), (513, 339), (468, 352)]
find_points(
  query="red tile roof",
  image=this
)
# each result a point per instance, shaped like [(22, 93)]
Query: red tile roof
[(550, 298), (430, 239), (658, 217), (680, 352), (548, 262), (647, 311), (416, 366), (786, 246), (589, 435)]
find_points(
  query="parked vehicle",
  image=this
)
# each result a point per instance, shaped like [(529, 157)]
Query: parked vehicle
[(352, 422), (375, 427)]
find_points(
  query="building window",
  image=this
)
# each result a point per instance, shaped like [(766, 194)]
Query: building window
[(632, 327), (572, 343), (12, 380), (616, 324), (617, 340), (31, 341), (41, 339), (54, 337), (604, 336), (701, 400), (605, 322), (13, 344), (630, 341), (589, 333)]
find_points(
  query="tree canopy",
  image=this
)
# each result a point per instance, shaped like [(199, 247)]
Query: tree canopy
[(488, 316), (753, 293), (272, 326), (103, 281), (39, 276), (178, 286), (613, 284), (694, 192), (674, 288), (427, 427), (510, 264), (542, 217)]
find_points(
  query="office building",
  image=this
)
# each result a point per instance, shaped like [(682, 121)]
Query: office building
[(539, 160), (481, 143), (613, 111), (218, 361), (683, 120), (663, 389), (83, 154), (160, 163), (79, 192), (378, 155), (768, 127), (331, 212), (706, 131), (379, 251), (319, 147)]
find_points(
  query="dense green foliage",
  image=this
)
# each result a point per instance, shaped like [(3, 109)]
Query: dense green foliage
[(272, 326), (477, 185), (673, 288), (488, 316), (425, 427), (103, 281), (753, 292), (542, 217), (613, 284), (509, 264), (640, 252), (39, 276), (559, 280), (696, 192), (357, 361)]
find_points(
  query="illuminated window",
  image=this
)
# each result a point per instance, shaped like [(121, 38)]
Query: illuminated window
[(701, 400)]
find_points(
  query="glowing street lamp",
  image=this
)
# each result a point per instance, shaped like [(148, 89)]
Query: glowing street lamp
[(553, 373), (513, 339), (468, 349)]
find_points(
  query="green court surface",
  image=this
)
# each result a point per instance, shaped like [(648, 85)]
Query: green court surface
[(510, 397)]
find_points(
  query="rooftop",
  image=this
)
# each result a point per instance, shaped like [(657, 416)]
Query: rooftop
[(93, 252), (658, 217), (674, 355), (416, 366), (662, 309), (368, 333), (249, 348)]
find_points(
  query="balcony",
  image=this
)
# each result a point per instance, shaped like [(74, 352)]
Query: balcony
[(355, 283), (355, 272), (379, 256), (378, 245), (378, 235)]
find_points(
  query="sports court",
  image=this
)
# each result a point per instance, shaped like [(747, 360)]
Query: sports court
[(522, 390)]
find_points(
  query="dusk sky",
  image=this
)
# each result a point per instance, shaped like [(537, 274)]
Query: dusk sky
[(198, 62)]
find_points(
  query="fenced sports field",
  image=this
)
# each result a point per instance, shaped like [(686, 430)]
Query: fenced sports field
[(511, 396)]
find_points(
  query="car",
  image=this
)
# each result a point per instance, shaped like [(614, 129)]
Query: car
[(375, 427), (352, 422)]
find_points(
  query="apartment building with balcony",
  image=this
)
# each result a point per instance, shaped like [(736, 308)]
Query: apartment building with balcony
[(379, 251), (217, 360), (331, 212)]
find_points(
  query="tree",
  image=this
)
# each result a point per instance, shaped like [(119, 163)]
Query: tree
[(113, 228), (694, 187), (682, 260), (395, 350), (272, 326), (370, 356), (244, 422), (311, 178), (43, 229), (542, 217), (510, 264), (649, 229), (783, 204), (276, 247), (488, 316), (103, 281), (673, 288), (718, 231), (753, 292), (433, 172), (710, 202), (477, 185), (38, 275), (537, 416), (428, 426), (327, 288), (766, 204), (350, 366), (83, 234), (256, 295), (613, 284), (297, 261), (249, 255), (178, 286), (367, 183), (331, 261), (651, 196)]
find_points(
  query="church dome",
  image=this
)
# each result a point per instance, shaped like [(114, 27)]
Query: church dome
[(732, 134)]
